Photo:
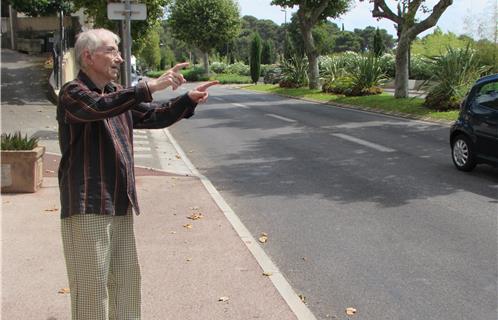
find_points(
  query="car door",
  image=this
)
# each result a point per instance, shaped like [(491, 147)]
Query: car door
[(484, 119)]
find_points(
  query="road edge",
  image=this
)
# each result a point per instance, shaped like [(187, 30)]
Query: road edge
[(301, 311)]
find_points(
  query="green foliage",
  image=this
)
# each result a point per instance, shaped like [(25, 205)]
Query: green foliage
[(332, 67), (294, 72), (218, 67), (367, 75), (238, 68), (347, 41), (97, 10), (378, 45), (454, 73), (267, 53), (437, 43), (17, 142), (204, 23), (255, 60), (339, 85), (195, 73), (420, 67), (226, 78), (150, 55), (35, 8), (273, 74), (289, 50)]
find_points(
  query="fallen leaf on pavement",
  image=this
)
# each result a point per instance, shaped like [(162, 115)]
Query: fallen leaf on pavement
[(223, 299), (267, 273), (52, 210), (188, 226), (194, 208), (189, 259), (63, 290), (178, 157), (350, 311), (264, 237), (195, 216), (303, 298)]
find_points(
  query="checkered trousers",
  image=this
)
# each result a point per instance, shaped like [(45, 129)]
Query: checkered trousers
[(102, 267)]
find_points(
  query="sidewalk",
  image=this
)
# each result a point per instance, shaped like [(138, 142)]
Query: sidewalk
[(191, 268)]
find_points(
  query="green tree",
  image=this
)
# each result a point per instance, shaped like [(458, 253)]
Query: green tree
[(408, 27), (35, 8), (437, 43), (347, 41), (97, 10), (289, 50), (267, 53), (378, 44), (255, 64), (150, 55), (205, 24), (309, 14)]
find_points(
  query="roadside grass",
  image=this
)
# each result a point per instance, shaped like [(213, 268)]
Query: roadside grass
[(383, 102)]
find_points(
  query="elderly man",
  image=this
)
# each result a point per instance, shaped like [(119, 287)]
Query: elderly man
[(96, 179)]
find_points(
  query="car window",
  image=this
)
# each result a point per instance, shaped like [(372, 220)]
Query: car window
[(487, 95)]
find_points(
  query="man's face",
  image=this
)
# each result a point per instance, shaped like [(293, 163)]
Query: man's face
[(106, 61)]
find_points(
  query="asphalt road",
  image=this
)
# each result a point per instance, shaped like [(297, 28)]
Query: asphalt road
[(362, 210)]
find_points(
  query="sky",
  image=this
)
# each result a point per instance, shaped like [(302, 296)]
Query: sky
[(462, 17)]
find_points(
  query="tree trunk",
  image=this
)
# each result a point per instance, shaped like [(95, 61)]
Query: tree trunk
[(401, 77), (205, 59), (309, 45)]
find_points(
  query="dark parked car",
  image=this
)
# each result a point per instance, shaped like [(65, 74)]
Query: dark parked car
[(474, 136)]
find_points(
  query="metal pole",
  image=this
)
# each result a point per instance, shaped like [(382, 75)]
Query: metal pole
[(126, 34), (61, 49), (13, 27)]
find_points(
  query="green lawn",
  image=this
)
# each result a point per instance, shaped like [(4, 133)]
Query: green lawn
[(383, 102)]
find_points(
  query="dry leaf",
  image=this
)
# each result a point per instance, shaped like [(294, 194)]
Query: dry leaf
[(178, 157), (52, 210), (194, 208), (267, 273), (223, 299), (189, 259), (264, 237), (195, 216), (188, 226), (173, 232), (303, 298), (350, 311), (63, 290)]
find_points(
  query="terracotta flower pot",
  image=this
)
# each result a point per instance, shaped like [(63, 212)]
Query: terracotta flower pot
[(22, 170)]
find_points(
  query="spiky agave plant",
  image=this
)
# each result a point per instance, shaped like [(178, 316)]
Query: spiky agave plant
[(454, 73)]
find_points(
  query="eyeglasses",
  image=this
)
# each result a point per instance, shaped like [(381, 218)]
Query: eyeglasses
[(110, 50)]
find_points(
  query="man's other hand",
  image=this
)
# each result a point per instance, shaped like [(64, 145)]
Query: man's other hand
[(200, 94)]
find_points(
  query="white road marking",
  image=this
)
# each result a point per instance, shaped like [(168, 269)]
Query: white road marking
[(143, 155), (240, 105), (284, 288), (280, 117), (362, 142), (140, 148)]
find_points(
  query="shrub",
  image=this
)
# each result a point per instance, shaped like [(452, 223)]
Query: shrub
[(17, 142), (226, 78), (331, 68), (294, 73), (195, 73), (273, 74), (367, 75), (388, 65), (420, 68), (238, 68), (454, 73), (341, 85), (218, 67)]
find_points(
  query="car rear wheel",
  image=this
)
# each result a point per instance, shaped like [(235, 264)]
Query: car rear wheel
[(462, 151)]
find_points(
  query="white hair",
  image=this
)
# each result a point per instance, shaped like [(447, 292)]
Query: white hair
[(90, 40)]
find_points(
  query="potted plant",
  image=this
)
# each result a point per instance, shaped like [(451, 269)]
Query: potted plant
[(22, 163)]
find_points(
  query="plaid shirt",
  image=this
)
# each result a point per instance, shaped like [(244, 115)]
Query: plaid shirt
[(96, 172)]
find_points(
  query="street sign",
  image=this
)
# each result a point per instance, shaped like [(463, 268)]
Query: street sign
[(117, 11)]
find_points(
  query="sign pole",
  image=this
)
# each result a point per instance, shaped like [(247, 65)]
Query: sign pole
[(126, 40)]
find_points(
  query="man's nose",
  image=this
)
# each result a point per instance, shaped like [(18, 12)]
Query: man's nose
[(120, 59)]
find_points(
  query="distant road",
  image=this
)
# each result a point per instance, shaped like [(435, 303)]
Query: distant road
[(362, 210)]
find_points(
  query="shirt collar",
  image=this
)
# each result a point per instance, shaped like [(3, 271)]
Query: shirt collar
[(110, 87)]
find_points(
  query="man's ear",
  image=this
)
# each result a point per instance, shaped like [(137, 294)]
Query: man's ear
[(87, 57)]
